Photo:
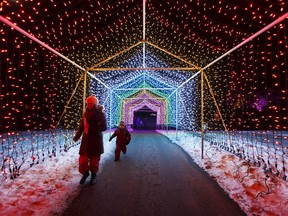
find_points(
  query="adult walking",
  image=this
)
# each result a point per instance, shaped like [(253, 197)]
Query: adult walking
[(91, 148)]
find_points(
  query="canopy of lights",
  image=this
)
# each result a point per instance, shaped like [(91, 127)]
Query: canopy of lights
[(36, 84), (178, 58)]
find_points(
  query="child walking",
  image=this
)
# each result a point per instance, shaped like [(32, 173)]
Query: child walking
[(123, 138)]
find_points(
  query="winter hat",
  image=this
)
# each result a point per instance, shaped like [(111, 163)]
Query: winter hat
[(92, 99)]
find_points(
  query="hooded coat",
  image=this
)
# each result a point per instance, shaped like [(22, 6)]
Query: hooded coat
[(92, 142), (123, 136)]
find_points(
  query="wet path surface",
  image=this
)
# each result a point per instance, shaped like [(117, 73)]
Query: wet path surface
[(157, 178)]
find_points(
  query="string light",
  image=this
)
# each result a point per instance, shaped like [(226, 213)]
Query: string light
[(250, 85)]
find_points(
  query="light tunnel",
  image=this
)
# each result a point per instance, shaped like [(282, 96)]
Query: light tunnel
[(124, 106), (158, 105), (133, 79), (156, 90)]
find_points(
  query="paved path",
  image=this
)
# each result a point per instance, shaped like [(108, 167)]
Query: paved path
[(155, 178)]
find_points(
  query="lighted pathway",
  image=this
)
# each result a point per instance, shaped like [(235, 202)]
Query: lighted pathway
[(157, 178)]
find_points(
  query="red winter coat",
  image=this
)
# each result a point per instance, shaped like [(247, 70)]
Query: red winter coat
[(123, 136), (92, 142)]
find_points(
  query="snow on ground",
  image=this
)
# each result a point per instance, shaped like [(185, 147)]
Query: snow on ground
[(45, 189), (245, 184)]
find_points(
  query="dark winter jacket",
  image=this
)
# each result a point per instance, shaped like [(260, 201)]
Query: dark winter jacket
[(123, 136), (92, 142)]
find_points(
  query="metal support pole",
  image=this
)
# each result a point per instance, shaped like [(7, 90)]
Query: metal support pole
[(110, 111), (84, 91), (167, 122), (176, 113), (144, 37), (68, 102), (144, 20), (202, 114)]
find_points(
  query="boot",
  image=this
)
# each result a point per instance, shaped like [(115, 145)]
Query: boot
[(84, 177), (93, 178)]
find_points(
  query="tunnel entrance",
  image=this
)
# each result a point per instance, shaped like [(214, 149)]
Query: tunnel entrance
[(144, 119)]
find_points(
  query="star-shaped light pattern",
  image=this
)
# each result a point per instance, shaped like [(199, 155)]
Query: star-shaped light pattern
[(41, 91)]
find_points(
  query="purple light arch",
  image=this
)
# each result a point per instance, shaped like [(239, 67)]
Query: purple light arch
[(130, 105)]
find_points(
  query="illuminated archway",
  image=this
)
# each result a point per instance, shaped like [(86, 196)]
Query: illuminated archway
[(132, 104)]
